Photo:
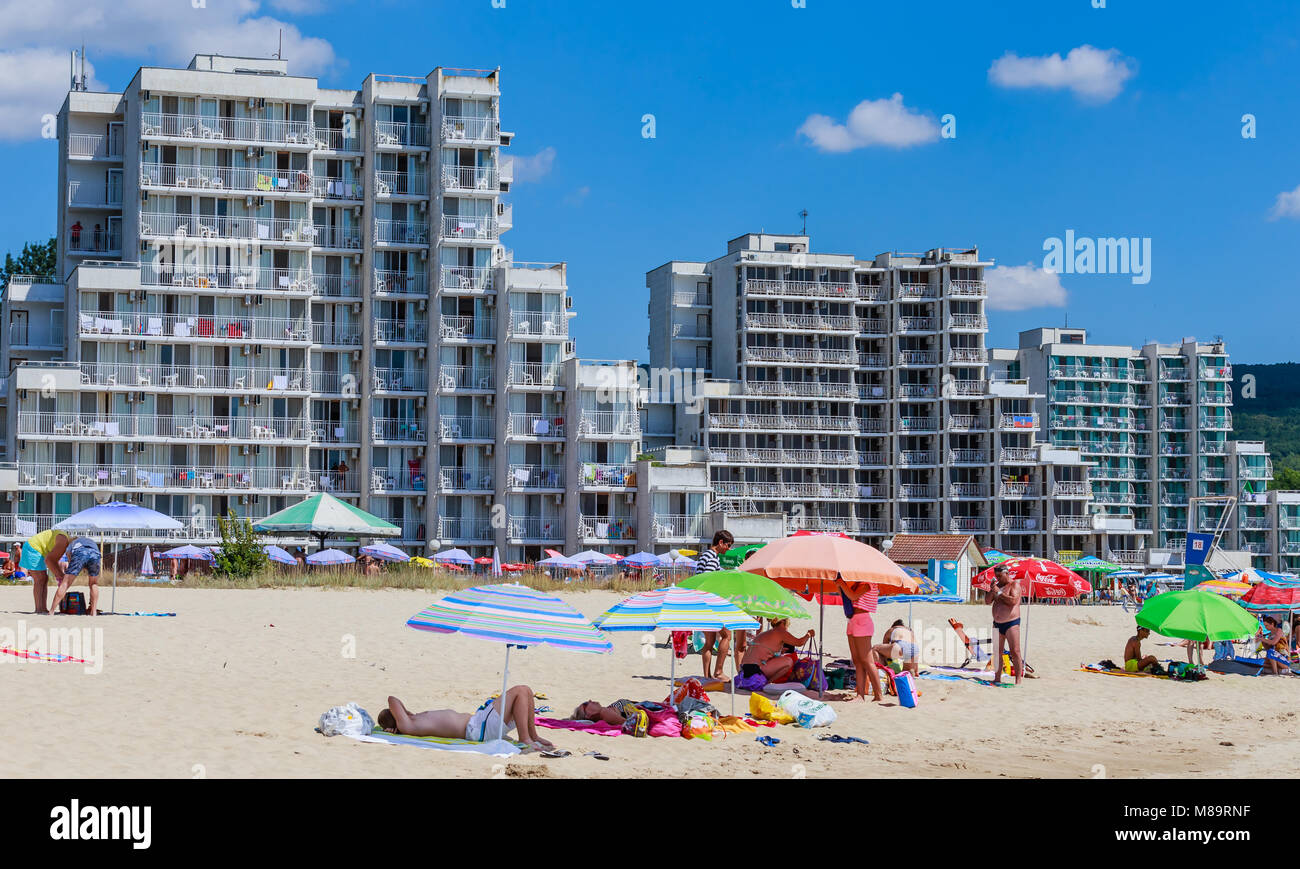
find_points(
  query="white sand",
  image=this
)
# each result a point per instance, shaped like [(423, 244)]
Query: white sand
[(233, 687)]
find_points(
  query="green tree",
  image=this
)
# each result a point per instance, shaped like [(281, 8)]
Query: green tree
[(241, 554), (36, 259)]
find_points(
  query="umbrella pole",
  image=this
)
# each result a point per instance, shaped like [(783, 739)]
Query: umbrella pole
[(672, 674), (114, 609), (505, 680), (821, 637)]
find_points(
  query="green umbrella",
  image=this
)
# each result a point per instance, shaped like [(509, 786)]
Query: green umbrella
[(993, 556), (736, 555), (756, 595), (1092, 563), (323, 515), (1194, 615)]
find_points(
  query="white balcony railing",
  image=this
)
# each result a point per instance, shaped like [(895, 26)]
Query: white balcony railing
[(262, 130), (535, 425), (467, 428), (469, 228), (536, 476), (192, 326), (539, 323), (609, 423)]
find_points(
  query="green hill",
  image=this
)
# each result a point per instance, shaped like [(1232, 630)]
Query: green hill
[(1269, 410)]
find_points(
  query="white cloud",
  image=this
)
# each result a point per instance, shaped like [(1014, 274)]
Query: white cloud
[(872, 122), (578, 196), (535, 167), (1018, 288), (38, 38), (1287, 204), (1091, 73)]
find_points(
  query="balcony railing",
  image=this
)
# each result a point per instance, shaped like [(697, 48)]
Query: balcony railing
[(460, 479), (968, 288), (783, 491), (265, 229), (97, 147), (259, 181), (806, 422), (773, 456), (1217, 422), (1074, 488), (460, 528), (1019, 523), (464, 279), (534, 374), (820, 322), (338, 139), (470, 178), (609, 423), (801, 288), (967, 321), (534, 528), (911, 292), (336, 334), (917, 324), (192, 326), (402, 430), (968, 524), (190, 427), (192, 528), (466, 129), (969, 457), (182, 126), (466, 377), (918, 525), (1019, 490), (800, 354), (384, 480), (535, 425), (918, 491), (539, 323), (918, 357), (469, 228), (400, 379), (219, 478), (536, 477), (918, 457), (401, 232), (388, 133), (394, 283), (1019, 454), (607, 476), (676, 526), (93, 195), (401, 184), (219, 378), (90, 240), (800, 387), (401, 331), (607, 527), (1072, 523), (335, 286), (467, 428)]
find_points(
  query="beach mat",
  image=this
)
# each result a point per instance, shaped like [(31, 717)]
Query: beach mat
[(495, 747), (1105, 671), (599, 728), (950, 678), (44, 657), (967, 674), (1242, 667)]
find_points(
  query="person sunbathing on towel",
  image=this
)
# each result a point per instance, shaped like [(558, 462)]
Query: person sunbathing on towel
[(632, 717), (482, 725), (765, 655), (1134, 660)]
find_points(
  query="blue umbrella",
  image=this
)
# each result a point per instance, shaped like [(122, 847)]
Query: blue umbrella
[(278, 555), (561, 561), (117, 516), (330, 556), (385, 552), (642, 559), (454, 556), (192, 553)]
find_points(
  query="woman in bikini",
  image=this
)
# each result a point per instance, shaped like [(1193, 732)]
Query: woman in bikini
[(860, 630), (764, 654)]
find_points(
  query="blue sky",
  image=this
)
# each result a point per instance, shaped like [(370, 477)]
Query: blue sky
[(1137, 135)]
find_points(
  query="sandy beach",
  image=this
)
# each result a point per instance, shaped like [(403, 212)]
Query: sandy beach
[(232, 687)]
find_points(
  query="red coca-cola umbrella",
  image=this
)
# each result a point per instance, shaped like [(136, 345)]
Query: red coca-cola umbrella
[(1039, 577), (483, 560)]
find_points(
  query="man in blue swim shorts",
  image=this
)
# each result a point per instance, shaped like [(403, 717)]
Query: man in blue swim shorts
[(1004, 595), (82, 554)]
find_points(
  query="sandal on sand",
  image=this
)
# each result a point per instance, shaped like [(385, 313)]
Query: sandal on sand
[(836, 738), (597, 755), (769, 741), (556, 752)]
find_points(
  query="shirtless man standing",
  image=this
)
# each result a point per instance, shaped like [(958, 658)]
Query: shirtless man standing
[(482, 725), (1004, 595)]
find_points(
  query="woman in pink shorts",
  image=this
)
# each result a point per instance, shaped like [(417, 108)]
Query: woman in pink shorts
[(860, 631)]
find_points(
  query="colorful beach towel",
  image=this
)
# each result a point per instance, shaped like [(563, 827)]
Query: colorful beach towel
[(495, 747), (600, 728), (47, 657)]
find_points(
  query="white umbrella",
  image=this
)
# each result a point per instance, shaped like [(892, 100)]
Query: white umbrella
[(146, 566), (117, 516)]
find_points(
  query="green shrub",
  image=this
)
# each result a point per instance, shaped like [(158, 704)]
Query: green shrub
[(241, 554)]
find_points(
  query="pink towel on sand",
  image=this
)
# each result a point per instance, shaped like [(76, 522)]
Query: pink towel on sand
[(598, 727)]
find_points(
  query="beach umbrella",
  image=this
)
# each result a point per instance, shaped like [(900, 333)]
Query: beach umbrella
[(1045, 578), (188, 553), (1191, 615), (483, 559), (146, 565), (675, 608), (515, 615), (642, 559), (591, 556), (324, 515), (117, 517), (993, 556), (329, 556), (561, 561), (385, 552), (1225, 587), (278, 555), (422, 561), (1269, 596), (496, 562), (756, 595), (672, 559), (454, 556), (513, 567), (1091, 563)]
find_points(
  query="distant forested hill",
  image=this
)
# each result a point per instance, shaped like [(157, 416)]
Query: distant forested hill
[(1272, 415)]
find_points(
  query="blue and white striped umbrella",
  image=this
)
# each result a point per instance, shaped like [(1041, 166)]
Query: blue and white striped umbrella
[(385, 551), (642, 559)]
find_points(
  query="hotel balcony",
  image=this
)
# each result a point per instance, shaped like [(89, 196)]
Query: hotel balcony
[(1019, 524), (335, 432), (193, 529), (535, 425), (1072, 524), (536, 323), (608, 476), (234, 280), (693, 299), (805, 388), (195, 327), (783, 491), (1018, 421), (968, 323), (394, 430), (455, 377), (1216, 372), (459, 129), (876, 361), (906, 425), (88, 146), (1213, 447), (469, 228), (800, 322), (1217, 422), (918, 390), (677, 526), (337, 189), (1174, 374), (1215, 397), (95, 196), (401, 135), (268, 230), (91, 241), (913, 458), (401, 232), (462, 529), (210, 378), (1071, 489), (918, 492), (166, 125), (469, 428), (401, 332), (385, 481), (1014, 455), (616, 529), (918, 525), (465, 280), (872, 326), (968, 356), (535, 478), (334, 286), (608, 423), (537, 374), (394, 283), (968, 524), (917, 324), (399, 380), (336, 334), (295, 183), (917, 292), (776, 456), (151, 427), (791, 422), (972, 289), (970, 387), (525, 528), (801, 289), (465, 481), (970, 457), (470, 179), (337, 139), (401, 184), (167, 478), (1008, 489), (924, 358)]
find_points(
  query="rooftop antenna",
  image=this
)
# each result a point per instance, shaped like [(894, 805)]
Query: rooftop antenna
[(279, 52), (804, 215), (83, 64)]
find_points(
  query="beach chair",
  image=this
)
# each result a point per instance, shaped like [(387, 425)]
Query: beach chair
[(974, 648)]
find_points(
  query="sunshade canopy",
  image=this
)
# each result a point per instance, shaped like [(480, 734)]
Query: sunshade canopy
[(323, 515), (511, 614), (330, 556), (675, 608), (756, 595), (1192, 615), (118, 516), (809, 562), (385, 551)]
